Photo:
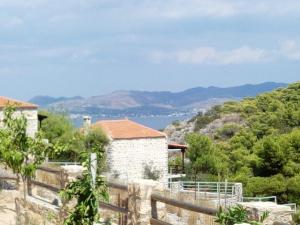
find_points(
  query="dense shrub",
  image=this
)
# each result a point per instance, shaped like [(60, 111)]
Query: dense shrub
[(264, 152), (262, 186)]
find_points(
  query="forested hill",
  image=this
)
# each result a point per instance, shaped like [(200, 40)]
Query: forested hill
[(255, 141)]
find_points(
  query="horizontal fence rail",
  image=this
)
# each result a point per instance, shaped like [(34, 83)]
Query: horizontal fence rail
[(8, 178), (44, 185), (183, 205), (113, 208), (117, 186), (50, 170)]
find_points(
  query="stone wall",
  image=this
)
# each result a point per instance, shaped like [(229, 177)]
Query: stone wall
[(277, 213), (31, 116), (127, 158)]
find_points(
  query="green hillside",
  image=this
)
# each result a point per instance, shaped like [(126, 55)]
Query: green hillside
[(262, 150)]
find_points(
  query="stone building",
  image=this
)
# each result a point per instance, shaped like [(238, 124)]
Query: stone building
[(133, 148), (30, 111)]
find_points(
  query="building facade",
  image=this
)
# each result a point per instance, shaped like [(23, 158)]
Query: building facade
[(30, 111), (135, 150)]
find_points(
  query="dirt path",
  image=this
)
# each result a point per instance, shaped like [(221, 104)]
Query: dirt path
[(7, 207)]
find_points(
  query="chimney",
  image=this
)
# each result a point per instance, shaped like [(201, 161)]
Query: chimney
[(87, 122)]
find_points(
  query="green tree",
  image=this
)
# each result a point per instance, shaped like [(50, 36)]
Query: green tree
[(272, 157), (21, 153), (60, 131), (204, 156), (94, 142)]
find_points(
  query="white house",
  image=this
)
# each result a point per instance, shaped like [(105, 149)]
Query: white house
[(133, 147), (30, 111)]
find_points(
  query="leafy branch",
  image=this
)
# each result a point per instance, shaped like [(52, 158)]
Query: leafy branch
[(236, 215)]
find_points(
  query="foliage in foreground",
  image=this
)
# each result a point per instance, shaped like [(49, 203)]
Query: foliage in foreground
[(21, 153), (83, 190), (237, 215), (88, 197), (262, 152)]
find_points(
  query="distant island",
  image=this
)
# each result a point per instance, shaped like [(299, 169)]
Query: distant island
[(150, 104)]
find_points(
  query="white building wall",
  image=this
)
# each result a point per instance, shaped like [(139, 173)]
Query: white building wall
[(32, 119), (127, 157)]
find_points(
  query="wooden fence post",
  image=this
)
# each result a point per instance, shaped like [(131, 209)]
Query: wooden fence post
[(153, 209), (29, 187)]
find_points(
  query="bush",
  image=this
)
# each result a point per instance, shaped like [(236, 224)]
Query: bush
[(267, 186), (227, 131), (238, 215), (151, 173), (293, 187)]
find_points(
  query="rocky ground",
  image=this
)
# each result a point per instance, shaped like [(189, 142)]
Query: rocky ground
[(177, 131)]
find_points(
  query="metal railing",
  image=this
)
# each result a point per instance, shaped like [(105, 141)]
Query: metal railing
[(214, 190), (260, 199), (62, 163), (293, 206)]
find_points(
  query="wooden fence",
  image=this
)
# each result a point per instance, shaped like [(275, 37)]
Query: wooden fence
[(57, 183), (122, 204), (183, 205)]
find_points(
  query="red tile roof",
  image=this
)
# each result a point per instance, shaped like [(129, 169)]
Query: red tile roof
[(127, 129), (4, 101)]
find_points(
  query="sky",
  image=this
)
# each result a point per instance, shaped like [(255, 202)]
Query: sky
[(93, 47)]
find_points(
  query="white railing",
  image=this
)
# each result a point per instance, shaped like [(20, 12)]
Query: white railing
[(293, 206), (222, 192), (64, 163), (260, 199)]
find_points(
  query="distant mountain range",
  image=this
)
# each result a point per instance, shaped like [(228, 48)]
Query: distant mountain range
[(136, 103)]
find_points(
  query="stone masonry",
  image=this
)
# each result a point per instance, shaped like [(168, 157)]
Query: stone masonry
[(32, 119), (127, 158)]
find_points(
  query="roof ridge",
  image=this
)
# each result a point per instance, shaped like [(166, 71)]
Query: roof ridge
[(127, 129), (142, 125), (23, 104)]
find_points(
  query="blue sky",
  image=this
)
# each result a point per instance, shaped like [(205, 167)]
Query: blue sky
[(92, 47)]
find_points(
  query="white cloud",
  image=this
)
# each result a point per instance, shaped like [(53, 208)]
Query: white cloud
[(181, 9), (209, 55), (290, 50)]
